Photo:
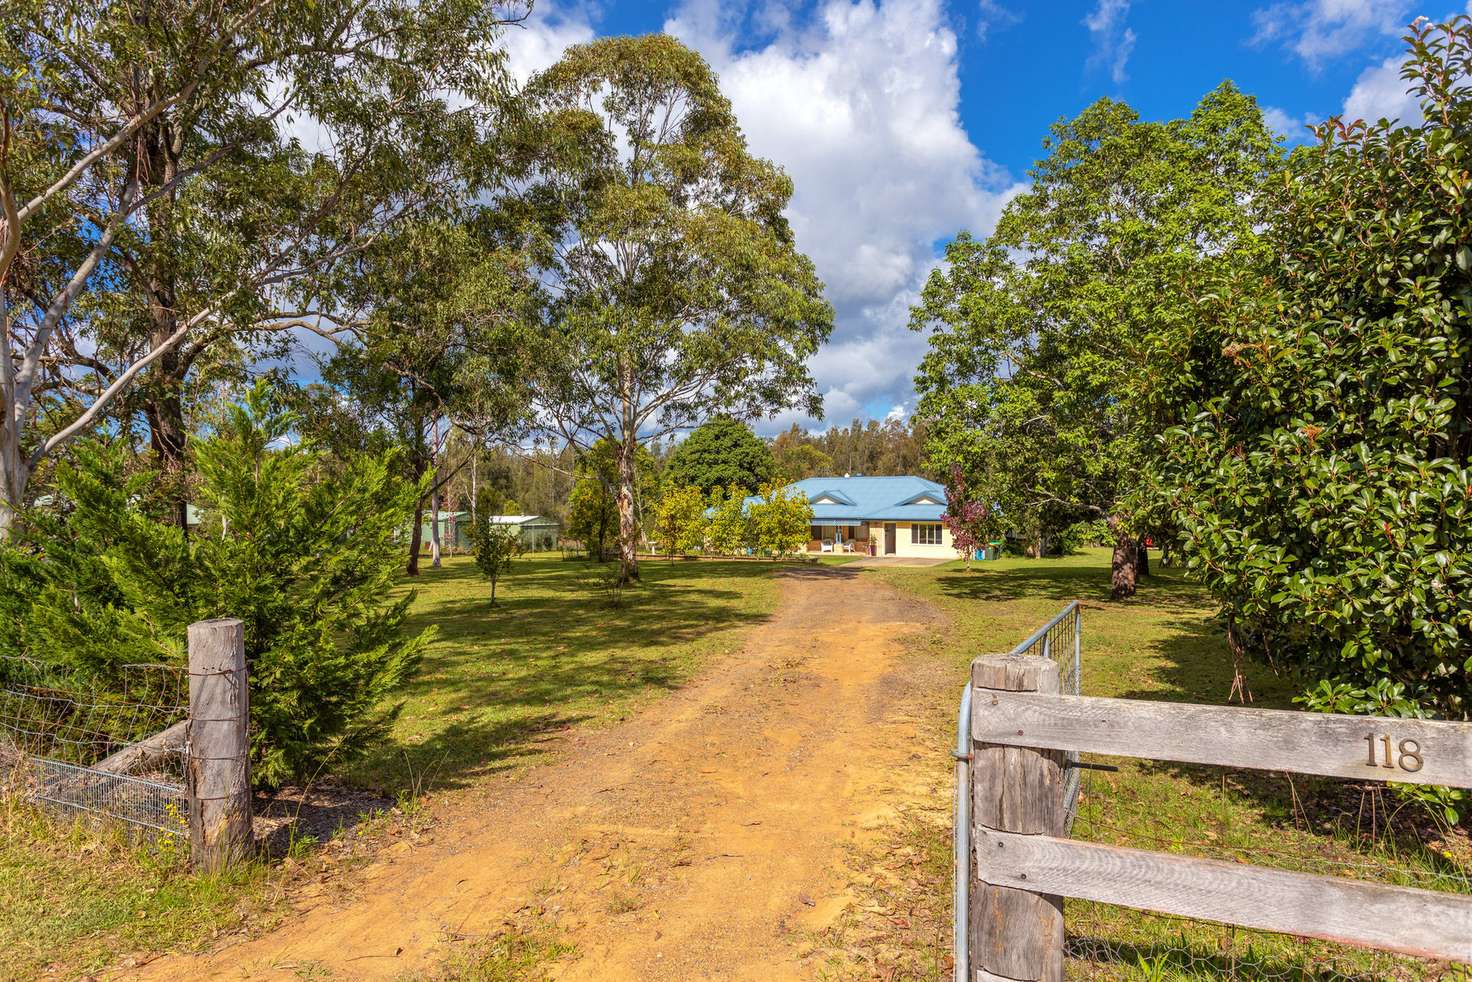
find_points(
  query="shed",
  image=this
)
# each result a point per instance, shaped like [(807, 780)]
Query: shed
[(537, 533)]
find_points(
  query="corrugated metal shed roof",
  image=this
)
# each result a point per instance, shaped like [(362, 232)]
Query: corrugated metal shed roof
[(464, 516)]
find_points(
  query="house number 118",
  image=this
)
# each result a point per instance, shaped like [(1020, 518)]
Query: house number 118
[(1408, 760)]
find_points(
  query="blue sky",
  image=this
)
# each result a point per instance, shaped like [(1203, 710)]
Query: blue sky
[(903, 121)]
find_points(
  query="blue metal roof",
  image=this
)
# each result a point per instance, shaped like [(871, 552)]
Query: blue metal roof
[(858, 499)]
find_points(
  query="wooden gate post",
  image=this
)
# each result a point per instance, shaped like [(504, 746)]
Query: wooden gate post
[(1015, 934), (217, 778)]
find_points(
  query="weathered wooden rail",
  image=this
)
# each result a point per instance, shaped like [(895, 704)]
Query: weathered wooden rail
[(1022, 864)]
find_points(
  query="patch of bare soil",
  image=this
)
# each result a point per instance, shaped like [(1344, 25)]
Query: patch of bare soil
[(318, 812), (732, 830)]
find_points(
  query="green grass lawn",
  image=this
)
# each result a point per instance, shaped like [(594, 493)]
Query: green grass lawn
[(74, 898), (553, 652), (1166, 644), (493, 686)]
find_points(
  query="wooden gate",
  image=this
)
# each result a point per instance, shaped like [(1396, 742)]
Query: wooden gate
[(1023, 864)]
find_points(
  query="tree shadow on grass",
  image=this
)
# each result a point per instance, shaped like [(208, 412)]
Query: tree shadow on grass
[(1196, 665), (459, 753), (499, 682), (1167, 588), (1218, 952)]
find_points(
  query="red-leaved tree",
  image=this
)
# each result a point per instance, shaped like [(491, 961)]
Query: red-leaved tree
[(969, 519)]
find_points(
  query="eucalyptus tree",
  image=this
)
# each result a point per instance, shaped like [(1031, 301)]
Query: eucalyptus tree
[(439, 348), (157, 207), (675, 289), (1040, 333)]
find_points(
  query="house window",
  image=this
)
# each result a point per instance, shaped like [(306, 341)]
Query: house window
[(925, 534)]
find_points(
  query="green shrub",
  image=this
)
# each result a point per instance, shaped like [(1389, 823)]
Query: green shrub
[(780, 522), (679, 524), (1321, 481), (302, 549), (496, 544)]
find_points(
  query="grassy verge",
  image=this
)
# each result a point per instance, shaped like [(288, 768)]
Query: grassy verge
[(74, 898), (554, 652), (495, 685), (1165, 645)]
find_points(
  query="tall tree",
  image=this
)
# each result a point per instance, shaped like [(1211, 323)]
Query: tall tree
[(1322, 470), (438, 346), (155, 212), (1039, 334), (675, 289), (796, 456), (720, 453)]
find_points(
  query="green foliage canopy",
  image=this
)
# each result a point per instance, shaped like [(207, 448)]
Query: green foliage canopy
[(1321, 473), (1035, 379), (719, 453), (159, 209)]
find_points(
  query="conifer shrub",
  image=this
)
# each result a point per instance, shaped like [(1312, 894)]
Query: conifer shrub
[(303, 548)]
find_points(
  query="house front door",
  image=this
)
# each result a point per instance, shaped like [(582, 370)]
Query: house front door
[(889, 538)]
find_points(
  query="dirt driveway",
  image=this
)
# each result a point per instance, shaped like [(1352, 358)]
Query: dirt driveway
[(704, 838)]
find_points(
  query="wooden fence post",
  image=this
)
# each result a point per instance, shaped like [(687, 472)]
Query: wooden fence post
[(1015, 934), (217, 778)]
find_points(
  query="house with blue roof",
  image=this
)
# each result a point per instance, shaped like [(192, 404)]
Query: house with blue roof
[(877, 516)]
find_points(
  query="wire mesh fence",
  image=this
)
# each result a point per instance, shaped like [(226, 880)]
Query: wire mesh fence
[(1326, 827), (1061, 639), (105, 746)]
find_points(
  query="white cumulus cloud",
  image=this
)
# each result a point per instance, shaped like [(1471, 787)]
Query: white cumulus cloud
[(1292, 128), (1317, 30), (1380, 93), (860, 105), (540, 40)]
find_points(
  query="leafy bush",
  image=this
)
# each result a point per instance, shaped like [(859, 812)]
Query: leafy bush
[(971, 521), (679, 524), (303, 552), (730, 526), (1321, 480), (495, 544), (780, 522)]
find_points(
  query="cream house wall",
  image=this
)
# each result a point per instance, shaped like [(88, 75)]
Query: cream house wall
[(903, 546)]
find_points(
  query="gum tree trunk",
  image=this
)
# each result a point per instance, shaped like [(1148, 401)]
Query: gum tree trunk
[(167, 438), (163, 405), (1124, 565), (416, 535), (416, 539), (15, 473), (628, 522)]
